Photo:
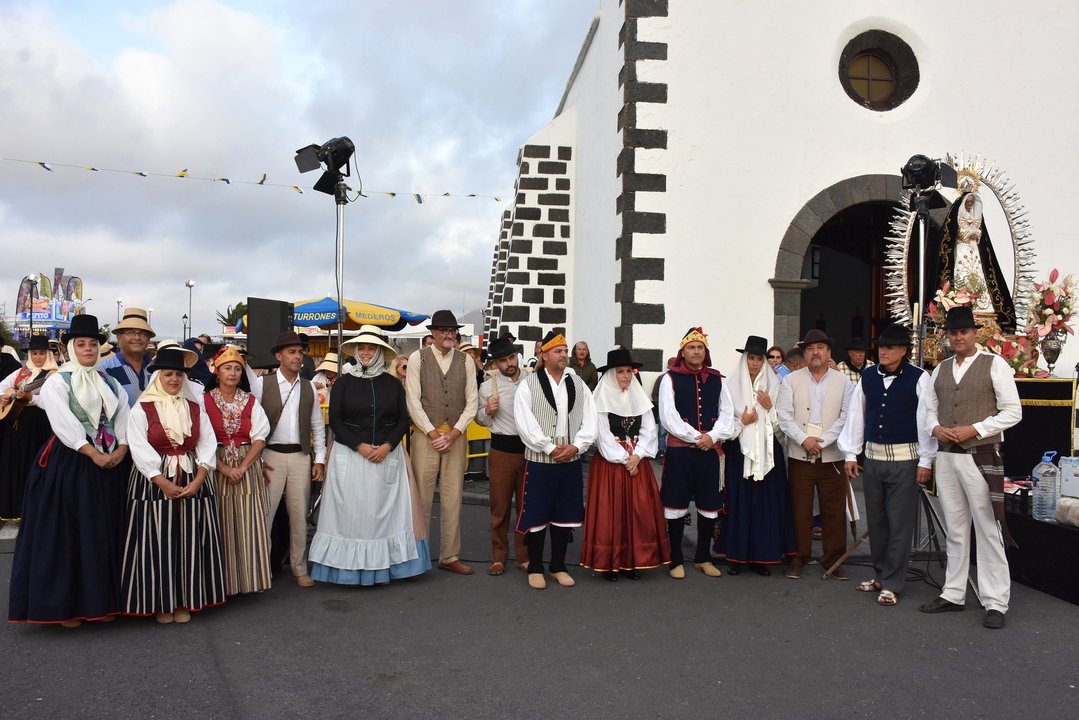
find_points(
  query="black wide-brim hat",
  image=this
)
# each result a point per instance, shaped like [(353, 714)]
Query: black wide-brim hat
[(857, 344), (895, 335), (173, 358), (500, 348), (83, 326), (37, 342), (619, 357), (961, 318), (755, 345), (817, 336), (444, 319), (286, 339)]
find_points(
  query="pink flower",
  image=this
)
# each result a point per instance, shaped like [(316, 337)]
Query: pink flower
[(1054, 275)]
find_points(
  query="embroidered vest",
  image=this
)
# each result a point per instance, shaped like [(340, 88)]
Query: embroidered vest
[(697, 402), (891, 414), (442, 396), (217, 422), (84, 420), (624, 428), (971, 401)]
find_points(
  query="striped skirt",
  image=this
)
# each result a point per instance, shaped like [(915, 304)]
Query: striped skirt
[(172, 550), (241, 507)]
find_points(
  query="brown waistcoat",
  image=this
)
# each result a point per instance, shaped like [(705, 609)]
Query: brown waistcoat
[(443, 396), (971, 401), (273, 404)]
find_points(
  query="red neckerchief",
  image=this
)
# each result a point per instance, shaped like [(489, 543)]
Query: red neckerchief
[(703, 373)]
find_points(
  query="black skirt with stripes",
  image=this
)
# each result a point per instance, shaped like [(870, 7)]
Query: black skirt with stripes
[(172, 550)]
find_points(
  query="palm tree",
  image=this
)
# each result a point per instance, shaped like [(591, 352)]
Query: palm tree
[(232, 314)]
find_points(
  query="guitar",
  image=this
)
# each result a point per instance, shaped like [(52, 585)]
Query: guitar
[(15, 407)]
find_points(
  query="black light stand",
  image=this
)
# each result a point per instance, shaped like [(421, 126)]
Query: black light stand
[(335, 154)]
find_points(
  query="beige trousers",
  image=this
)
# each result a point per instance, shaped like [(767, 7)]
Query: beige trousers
[(448, 471), (291, 477)]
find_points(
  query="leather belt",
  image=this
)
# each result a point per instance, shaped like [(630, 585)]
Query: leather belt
[(958, 450), (285, 449)]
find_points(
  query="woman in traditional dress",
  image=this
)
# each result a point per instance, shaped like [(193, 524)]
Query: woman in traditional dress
[(370, 528), (241, 428), (26, 427), (172, 556), (757, 529), (67, 557), (624, 528)]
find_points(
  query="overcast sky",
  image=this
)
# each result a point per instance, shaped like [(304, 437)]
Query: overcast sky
[(437, 96)]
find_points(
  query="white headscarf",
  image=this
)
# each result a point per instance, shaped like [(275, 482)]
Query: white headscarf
[(89, 388), (48, 365), (172, 410), (610, 398), (756, 439), (377, 366)]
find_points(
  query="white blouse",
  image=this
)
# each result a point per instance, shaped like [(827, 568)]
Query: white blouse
[(614, 452), (55, 398)]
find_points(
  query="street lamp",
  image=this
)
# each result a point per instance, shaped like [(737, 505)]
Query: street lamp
[(150, 316), (33, 278), (191, 316), (119, 302), (184, 318)]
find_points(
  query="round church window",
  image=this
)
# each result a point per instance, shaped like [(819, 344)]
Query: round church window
[(878, 70)]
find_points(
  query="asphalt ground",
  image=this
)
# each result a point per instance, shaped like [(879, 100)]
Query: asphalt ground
[(445, 646)]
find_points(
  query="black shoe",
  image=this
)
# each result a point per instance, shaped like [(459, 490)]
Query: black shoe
[(631, 574), (994, 620), (763, 570), (610, 576), (734, 570), (939, 605)]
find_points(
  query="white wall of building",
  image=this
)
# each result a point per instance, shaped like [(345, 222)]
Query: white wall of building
[(759, 123)]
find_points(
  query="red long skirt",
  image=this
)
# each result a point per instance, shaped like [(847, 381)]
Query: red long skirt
[(624, 527)]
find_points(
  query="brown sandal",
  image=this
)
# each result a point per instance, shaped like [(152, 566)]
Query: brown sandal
[(868, 586), (496, 568)]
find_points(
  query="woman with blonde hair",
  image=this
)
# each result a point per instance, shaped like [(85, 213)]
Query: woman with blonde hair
[(172, 559)]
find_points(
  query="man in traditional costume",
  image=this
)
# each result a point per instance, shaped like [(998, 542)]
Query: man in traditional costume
[(887, 417), (856, 360), (974, 400), (696, 409), (440, 386), (812, 408), (131, 365), (556, 419), (506, 459)]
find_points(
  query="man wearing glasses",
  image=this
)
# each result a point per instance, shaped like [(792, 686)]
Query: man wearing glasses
[(440, 389), (130, 366)]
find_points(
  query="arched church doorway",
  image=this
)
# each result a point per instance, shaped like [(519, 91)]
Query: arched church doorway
[(845, 266)]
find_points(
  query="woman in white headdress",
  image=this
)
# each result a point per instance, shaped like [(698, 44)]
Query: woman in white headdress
[(173, 563), (370, 528), (624, 527), (67, 557), (757, 529)]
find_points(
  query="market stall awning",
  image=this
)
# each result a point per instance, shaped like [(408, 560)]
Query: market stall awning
[(324, 313)]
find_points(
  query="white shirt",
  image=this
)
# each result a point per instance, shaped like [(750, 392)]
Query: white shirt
[(502, 422), (413, 389), (148, 461), (1009, 409), (55, 397), (529, 429), (852, 438), (287, 431), (614, 452), (675, 425), (785, 409)]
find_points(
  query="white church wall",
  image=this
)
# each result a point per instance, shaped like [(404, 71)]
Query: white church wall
[(758, 123)]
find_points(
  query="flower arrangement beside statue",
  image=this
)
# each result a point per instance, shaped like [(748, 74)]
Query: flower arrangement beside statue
[(949, 297), (1021, 354), (1051, 306)]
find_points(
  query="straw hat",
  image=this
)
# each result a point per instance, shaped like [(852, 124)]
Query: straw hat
[(328, 364), (134, 319), (373, 335)]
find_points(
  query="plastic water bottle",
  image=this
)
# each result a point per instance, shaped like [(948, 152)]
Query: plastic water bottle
[(1046, 479)]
